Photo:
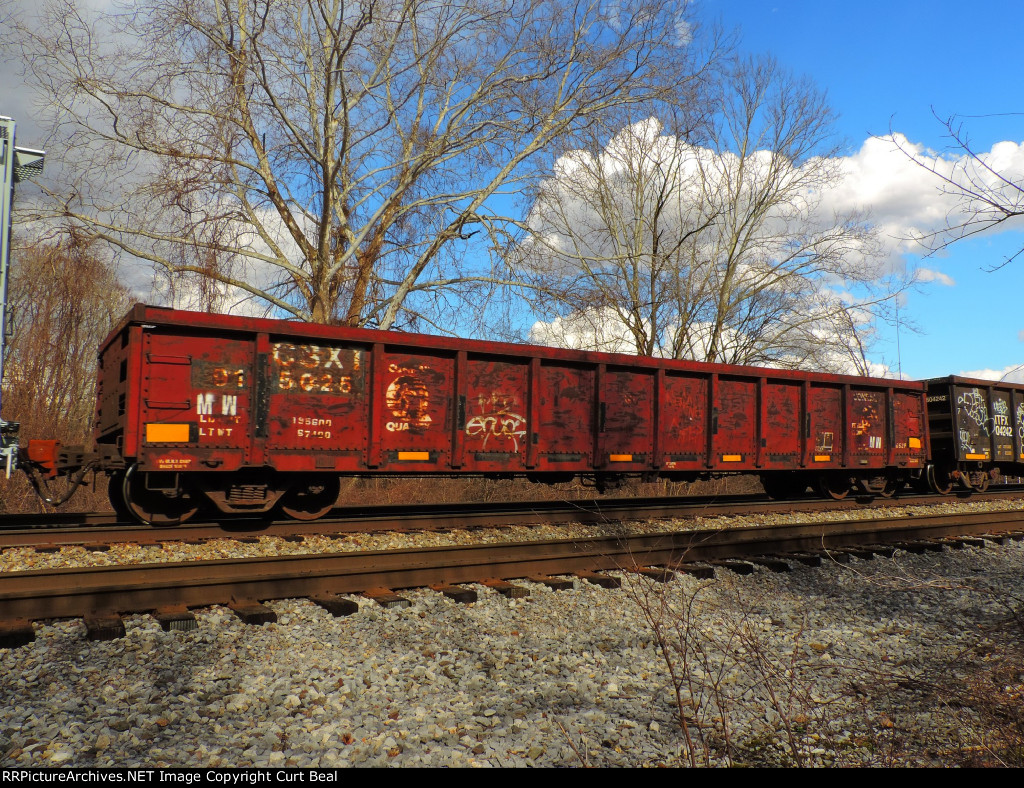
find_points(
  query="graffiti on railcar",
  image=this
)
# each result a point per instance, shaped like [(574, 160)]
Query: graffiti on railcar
[(971, 405), (1001, 419), (498, 422), (408, 399), (868, 423), (975, 424)]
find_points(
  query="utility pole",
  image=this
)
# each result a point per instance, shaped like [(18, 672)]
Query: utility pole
[(16, 165)]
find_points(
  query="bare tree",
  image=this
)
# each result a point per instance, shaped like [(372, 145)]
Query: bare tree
[(336, 161), (717, 251), (983, 193), (64, 300)]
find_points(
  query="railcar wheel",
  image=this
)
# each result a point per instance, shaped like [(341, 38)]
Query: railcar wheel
[(775, 488), (978, 480), (780, 487), (892, 488), (939, 481), (834, 487), (115, 492), (154, 505), (313, 499)]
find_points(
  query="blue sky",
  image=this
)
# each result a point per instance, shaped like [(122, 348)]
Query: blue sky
[(885, 63), (882, 64)]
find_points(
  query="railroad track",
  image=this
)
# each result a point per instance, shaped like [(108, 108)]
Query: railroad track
[(100, 529), (101, 594)]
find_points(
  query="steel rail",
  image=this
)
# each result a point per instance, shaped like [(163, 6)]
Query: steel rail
[(61, 593), (454, 516)]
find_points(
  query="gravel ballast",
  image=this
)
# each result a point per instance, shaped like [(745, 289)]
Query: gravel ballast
[(913, 659)]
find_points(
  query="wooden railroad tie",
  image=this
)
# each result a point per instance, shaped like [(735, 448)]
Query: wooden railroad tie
[(814, 559), (658, 574), (554, 583), (16, 633), (456, 593), (336, 605), (104, 626), (605, 581), (774, 564), (386, 598), (176, 618), (506, 589), (738, 567), (252, 612)]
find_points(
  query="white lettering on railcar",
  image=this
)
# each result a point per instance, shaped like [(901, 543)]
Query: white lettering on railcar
[(204, 404), (309, 421), (215, 432)]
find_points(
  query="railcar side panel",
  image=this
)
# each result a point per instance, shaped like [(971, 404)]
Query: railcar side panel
[(781, 426), (1017, 410), (195, 402), (416, 410), (1002, 425), (492, 415), (908, 435), (940, 420), (826, 433), (314, 408), (111, 389), (972, 431), (868, 427), (625, 419), (734, 423), (684, 427), (565, 434)]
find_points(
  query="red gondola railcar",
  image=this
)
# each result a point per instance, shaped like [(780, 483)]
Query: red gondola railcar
[(249, 414)]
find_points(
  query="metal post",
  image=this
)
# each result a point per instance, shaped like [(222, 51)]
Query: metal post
[(16, 165)]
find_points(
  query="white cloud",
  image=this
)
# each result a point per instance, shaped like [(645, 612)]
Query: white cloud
[(598, 329), (1014, 373), (928, 275), (601, 328), (904, 198)]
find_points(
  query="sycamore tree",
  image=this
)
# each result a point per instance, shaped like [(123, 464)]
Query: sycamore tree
[(336, 161), (711, 242)]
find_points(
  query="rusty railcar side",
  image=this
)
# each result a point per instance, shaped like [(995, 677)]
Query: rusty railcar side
[(247, 413)]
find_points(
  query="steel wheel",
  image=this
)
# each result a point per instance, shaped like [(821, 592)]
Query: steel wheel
[(939, 481), (892, 488), (834, 487), (783, 486), (775, 488), (156, 506), (115, 492), (978, 480), (312, 500)]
